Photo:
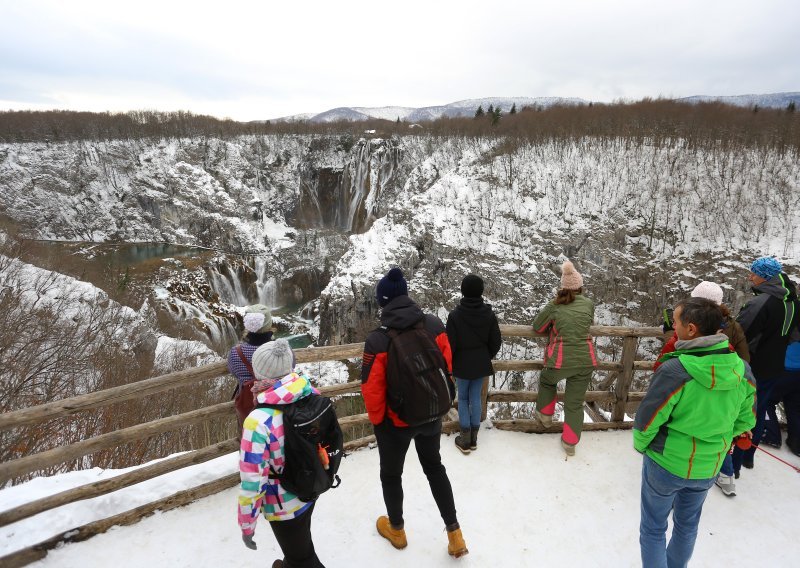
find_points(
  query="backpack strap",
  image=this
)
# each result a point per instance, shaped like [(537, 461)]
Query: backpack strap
[(245, 361)]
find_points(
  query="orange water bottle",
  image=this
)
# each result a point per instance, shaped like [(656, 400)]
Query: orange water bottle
[(323, 456)]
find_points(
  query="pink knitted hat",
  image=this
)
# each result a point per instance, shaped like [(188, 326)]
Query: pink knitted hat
[(571, 279)]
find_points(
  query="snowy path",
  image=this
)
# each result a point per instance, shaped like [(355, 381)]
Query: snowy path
[(519, 502)]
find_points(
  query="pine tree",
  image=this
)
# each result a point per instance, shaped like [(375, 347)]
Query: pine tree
[(790, 107), (513, 109), (479, 112), (496, 116), (490, 110)]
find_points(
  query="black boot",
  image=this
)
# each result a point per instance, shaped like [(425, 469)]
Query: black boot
[(473, 440), (463, 440)]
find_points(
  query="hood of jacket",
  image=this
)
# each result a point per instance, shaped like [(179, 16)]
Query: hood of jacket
[(473, 311), (783, 289), (287, 390), (710, 361), (401, 313), (778, 286)]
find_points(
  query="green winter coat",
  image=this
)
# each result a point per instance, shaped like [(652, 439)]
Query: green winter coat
[(699, 400), (570, 345)]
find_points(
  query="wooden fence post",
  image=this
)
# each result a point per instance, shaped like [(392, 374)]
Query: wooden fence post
[(625, 378)]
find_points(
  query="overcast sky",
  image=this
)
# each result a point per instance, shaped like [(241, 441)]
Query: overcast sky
[(251, 60)]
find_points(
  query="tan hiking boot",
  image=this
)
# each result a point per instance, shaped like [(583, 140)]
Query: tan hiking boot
[(568, 448), (396, 536), (456, 547), (546, 420)]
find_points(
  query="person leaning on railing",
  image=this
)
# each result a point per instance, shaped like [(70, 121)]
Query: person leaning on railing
[(569, 355)]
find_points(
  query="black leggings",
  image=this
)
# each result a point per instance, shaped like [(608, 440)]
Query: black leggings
[(294, 538), (393, 445)]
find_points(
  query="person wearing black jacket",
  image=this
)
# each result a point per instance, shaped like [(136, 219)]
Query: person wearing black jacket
[(474, 336), (767, 320)]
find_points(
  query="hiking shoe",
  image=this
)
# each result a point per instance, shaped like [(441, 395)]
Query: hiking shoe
[(725, 483), (456, 547), (772, 444), (473, 440), (463, 441), (736, 474), (747, 461), (546, 420), (568, 448), (396, 536)]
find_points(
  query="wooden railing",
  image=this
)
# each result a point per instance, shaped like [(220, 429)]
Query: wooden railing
[(614, 391)]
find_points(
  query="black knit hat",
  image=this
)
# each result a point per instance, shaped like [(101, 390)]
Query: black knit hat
[(391, 286), (472, 286)]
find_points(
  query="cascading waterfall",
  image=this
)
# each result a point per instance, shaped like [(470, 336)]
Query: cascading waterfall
[(219, 329), (364, 180), (347, 198), (267, 285)]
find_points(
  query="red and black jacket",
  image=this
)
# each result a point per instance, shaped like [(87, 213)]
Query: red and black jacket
[(401, 313)]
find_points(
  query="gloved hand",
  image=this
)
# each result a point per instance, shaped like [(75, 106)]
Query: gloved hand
[(667, 323), (743, 442), (249, 542)]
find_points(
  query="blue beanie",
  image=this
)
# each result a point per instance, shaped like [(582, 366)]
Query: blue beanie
[(391, 286), (766, 267)]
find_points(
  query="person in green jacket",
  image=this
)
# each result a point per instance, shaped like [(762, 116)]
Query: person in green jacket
[(700, 399), (569, 355)]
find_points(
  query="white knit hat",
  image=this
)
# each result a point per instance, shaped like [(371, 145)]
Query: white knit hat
[(571, 279), (257, 318), (709, 291), (273, 360)]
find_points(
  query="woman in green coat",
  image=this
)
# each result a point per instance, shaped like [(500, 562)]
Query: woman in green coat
[(569, 355)]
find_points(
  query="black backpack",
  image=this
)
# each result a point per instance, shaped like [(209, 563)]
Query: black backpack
[(418, 386), (311, 436)]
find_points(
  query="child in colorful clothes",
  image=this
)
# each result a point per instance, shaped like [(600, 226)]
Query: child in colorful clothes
[(569, 355), (258, 331), (262, 451)]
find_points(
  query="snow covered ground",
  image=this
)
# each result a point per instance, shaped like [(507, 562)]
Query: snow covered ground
[(520, 503)]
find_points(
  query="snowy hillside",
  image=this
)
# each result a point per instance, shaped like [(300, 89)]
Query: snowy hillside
[(644, 221)]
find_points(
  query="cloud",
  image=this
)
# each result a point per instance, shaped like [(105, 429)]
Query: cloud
[(255, 59)]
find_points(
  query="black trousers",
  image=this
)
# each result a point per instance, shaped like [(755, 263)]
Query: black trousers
[(393, 445), (294, 538)]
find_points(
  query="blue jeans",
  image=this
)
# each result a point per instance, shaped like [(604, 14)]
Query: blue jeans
[(663, 492), (727, 466), (764, 388), (469, 402)]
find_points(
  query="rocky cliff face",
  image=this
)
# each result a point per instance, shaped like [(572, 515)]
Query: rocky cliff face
[(316, 221)]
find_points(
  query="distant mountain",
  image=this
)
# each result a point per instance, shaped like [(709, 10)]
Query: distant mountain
[(770, 100), (469, 106), (408, 114)]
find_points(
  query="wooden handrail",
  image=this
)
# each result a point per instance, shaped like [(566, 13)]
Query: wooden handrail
[(27, 464), (99, 399)]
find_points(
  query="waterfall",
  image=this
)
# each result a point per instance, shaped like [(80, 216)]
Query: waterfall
[(370, 169), (347, 199), (267, 285)]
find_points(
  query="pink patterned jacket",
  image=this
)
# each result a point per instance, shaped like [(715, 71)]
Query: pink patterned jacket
[(262, 448)]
